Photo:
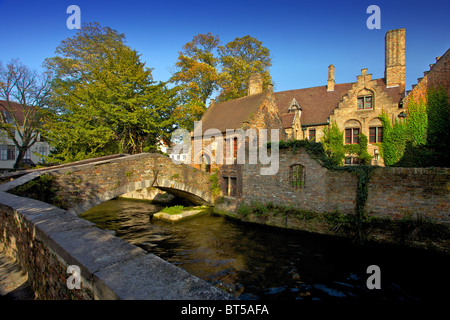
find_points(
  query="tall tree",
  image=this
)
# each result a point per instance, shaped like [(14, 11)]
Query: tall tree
[(104, 99), (239, 59), (24, 93), (196, 74)]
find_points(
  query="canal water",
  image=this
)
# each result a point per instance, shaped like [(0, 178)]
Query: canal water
[(258, 262)]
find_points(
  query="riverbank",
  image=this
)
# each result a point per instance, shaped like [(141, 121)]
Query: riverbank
[(415, 231)]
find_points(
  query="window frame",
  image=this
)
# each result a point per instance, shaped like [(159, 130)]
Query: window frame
[(377, 137), (354, 138), (312, 137), (297, 176), (7, 152), (361, 102), (230, 186)]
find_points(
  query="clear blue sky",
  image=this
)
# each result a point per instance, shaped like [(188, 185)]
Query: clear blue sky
[(304, 37)]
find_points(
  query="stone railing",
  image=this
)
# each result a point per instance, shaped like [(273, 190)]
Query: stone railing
[(47, 240)]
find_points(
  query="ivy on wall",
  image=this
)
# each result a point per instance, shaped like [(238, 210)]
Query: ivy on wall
[(333, 144), (422, 139)]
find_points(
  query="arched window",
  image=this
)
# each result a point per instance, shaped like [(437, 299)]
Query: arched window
[(365, 100), (352, 131), (297, 176), (206, 163)]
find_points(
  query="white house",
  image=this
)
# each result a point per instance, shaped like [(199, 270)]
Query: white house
[(8, 150)]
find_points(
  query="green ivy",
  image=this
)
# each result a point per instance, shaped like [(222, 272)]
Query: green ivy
[(214, 186), (422, 139)]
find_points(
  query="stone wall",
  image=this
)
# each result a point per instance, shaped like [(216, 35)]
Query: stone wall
[(392, 192), (323, 190), (46, 240)]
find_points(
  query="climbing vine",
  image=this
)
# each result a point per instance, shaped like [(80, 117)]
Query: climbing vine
[(423, 138)]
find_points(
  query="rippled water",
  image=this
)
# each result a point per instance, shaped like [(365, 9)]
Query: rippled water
[(255, 262)]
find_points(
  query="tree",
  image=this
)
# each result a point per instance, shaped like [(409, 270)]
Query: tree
[(204, 67), (24, 93), (197, 77), (239, 59), (104, 99)]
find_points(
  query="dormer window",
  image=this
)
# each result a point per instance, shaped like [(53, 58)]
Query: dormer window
[(294, 106), (365, 102)]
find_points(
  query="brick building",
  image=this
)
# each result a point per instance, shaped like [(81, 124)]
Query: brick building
[(437, 75), (304, 113)]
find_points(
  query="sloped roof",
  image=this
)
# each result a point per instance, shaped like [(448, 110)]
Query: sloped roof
[(16, 107), (287, 119), (231, 114), (317, 103)]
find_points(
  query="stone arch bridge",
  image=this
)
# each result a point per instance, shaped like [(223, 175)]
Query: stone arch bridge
[(82, 185)]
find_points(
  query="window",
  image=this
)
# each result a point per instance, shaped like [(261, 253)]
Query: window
[(375, 134), (230, 186), (229, 151), (351, 161), (365, 103), (205, 163), (27, 155), (312, 135), (297, 176), (7, 152), (352, 136)]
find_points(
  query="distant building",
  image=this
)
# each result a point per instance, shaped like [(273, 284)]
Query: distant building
[(9, 152)]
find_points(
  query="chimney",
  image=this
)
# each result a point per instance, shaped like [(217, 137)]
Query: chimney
[(330, 83), (255, 84), (394, 71)]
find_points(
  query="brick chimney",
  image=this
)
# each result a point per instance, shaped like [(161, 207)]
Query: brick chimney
[(255, 84), (330, 82), (394, 72)]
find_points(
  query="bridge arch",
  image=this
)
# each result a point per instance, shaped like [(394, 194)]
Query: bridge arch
[(84, 186)]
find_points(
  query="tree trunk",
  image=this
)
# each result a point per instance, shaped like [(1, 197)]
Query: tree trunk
[(20, 157)]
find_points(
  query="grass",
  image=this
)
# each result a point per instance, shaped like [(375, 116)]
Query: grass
[(173, 210)]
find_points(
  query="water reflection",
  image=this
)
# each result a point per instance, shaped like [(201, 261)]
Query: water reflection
[(254, 262)]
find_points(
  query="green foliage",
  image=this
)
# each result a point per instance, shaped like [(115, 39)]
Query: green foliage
[(239, 59), (418, 226), (43, 189), (333, 144), (265, 209), (205, 67), (423, 139), (104, 99), (173, 210), (394, 139), (362, 153), (214, 186), (416, 123)]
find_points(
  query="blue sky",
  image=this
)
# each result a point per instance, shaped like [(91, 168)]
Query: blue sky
[(304, 37)]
